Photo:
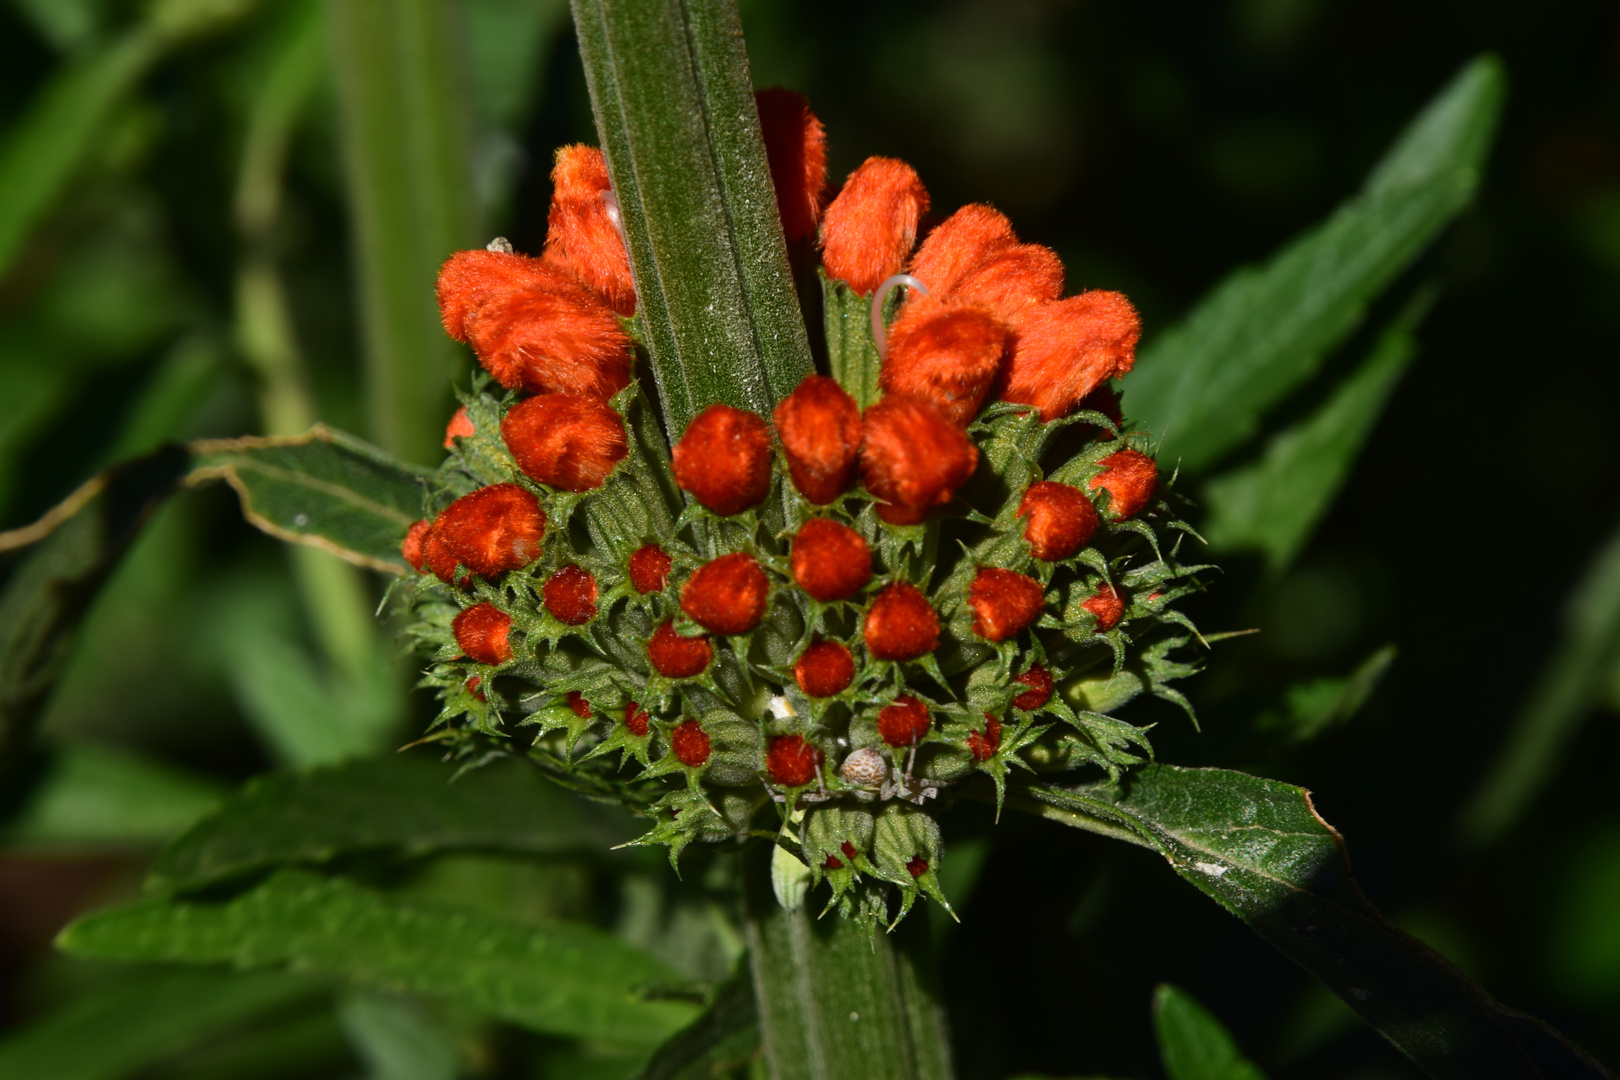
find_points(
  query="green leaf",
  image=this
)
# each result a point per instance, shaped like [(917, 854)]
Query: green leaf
[(405, 805), (325, 489), (85, 794), (403, 102), (1258, 848), (123, 1029), (1274, 504), (1261, 333), (721, 1041), (562, 978), (1571, 683), (1310, 708), (1192, 1043), (396, 1040), (674, 107)]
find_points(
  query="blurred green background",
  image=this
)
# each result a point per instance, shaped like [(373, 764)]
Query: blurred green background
[(178, 252)]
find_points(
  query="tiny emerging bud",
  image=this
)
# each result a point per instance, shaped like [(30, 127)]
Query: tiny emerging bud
[(1065, 349), (724, 459), (916, 866), (690, 744), (904, 722), (459, 427), (850, 850), (1108, 607), (649, 568), (576, 701), (983, 745), (727, 595), (415, 538), (796, 151), (913, 458), (570, 441), (1130, 477), (901, 624), (946, 352), (580, 232), (1039, 681), (1003, 602), (493, 529), (481, 632), (636, 720), (1061, 520), (960, 244), (830, 560), (570, 595), (824, 669), (820, 428), (677, 657), (792, 761), (870, 227)]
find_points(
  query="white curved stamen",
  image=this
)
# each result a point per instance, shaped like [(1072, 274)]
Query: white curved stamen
[(882, 294)]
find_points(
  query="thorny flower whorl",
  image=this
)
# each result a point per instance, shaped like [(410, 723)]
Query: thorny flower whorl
[(830, 623)]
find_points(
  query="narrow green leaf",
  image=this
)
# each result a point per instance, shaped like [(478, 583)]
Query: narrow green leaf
[(396, 1040), (123, 1029), (1274, 504), (1204, 384), (325, 489), (562, 978), (674, 106), (718, 1043), (1571, 683), (1192, 1043), (89, 795), (402, 97), (299, 712), (1258, 848), (1310, 708), (405, 805)]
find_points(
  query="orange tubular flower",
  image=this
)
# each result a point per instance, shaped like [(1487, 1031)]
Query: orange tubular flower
[(724, 459), (1013, 281), (904, 722), (533, 326), (830, 561), (1108, 607), (580, 229), (1130, 477), (459, 427), (792, 761), (491, 530), (569, 441), (796, 149), (481, 631), (649, 568), (727, 595), (901, 624), (1061, 520), (913, 458), (677, 657), (1065, 349), (570, 595), (946, 352), (961, 244), (819, 425), (824, 669), (690, 744), (1003, 602), (868, 230)]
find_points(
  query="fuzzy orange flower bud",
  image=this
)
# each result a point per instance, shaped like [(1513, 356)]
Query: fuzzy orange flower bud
[(1061, 519), (459, 427), (1108, 607), (792, 761), (960, 244), (901, 624), (649, 568), (944, 352), (1065, 349), (570, 595), (677, 657), (869, 228), (913, 458), (820, 428), (1003, 602), (415, 540), (1039, 681), (1130, 477), (904, 722), (690, 744), (570, 441), (983, 745), (481, 631), (830, 561), (824, 669), (580, 230), (493, 529), (724, 459), (727, 595), (796, 149), (1012, 282)]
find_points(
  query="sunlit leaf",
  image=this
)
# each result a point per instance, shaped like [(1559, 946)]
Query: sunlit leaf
[(1193, 1044)]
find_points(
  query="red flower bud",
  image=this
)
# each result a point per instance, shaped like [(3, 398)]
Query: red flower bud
[(830, 561), (493, 529), (1108, 606), (983, 746), (901, 624), (481, 632), (832, 863), (577, 702), (580, 232), (960, 244), (570, 595), (946, 352), (1130, 477), (820, 428), (649, 568), (415, 537), (727, 595), (1065, 349), (1061, 520), (570, 441), (472, 685), (690, 743), (459, 427), (904, 722), (438, 559), (796, 150), (824, 669), (849, 850), (677, 657), (869, 228), (1039, 681), (1003, 602), (916, 866), (913, 458), (792, 761), (724, 459), (636, 720)]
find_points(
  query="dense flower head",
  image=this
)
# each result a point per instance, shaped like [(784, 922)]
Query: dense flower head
[(830, 560), (727, 595), (870, 226), (581, 231), (824, 669), (819, 426), (724, 459), (913, 458), (491, 530), (570, 441), (796, 151), (570, 595), (481, 632), (946, 352)]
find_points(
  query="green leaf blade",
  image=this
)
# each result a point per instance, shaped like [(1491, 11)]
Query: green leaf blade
[(1192, 1043)]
